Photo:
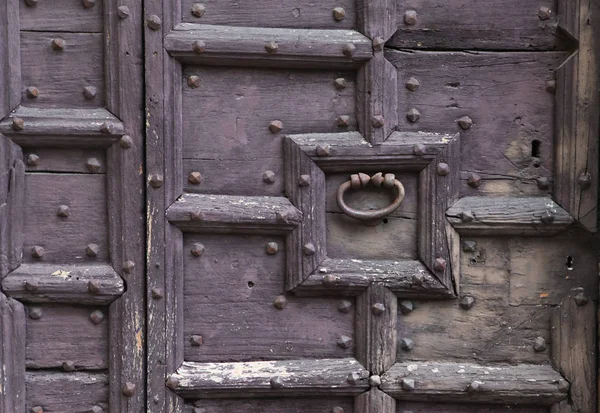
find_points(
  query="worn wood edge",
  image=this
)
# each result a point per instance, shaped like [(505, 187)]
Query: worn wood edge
[(573, 349), (374, 401), (294, 378), (568, 17), (406, 278), (246, 45), (377, 18), (12, 355), (10, 52), (508, 216), (70, 284), (473, 383), (215, 213)]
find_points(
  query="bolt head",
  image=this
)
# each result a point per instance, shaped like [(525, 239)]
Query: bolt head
[(198, 9), (193, 81), (269, 177), (585, 180), (18, 124), (413, 115), (467, 302), (125, 142), (107, 128), (63, 211), (408, 384), (406, 307), (469, 246), (353, 378), (309, 249), (474, 180), (123, 12), (410, 17), (539, 344), (378, 308), (157, 293), (465, 122), (349, 49), (88, 3), (304, 180), (439, 265), (378, 43), (466, 216), (407, 344), (275, 126), (94, 286), (344, 342), (128, 389), (156, 180), (323, 150), (195, 178), (93, 165), (58, 44), (128, 267), (276, 382), (375, 380), (343, 121), (544, 13), (345, 306), (35, 313), (377, 121), (271, 47), (97, 317), (32, 92), (199, 47), (443, 169), (37, 251), (196, 340), (418, 279), (89, 92), (547, 217), (272, 248), (340, 83), (197, 250), (31, 3), (33, 159), (419, 149), (280, 302), (412, 84), (579, 296), (92, 250), (339, 14), (153, 22), (68, 365)]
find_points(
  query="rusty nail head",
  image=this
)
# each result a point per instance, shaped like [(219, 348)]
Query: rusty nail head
[(343, 121), (157, 293), (197, 250), (344, 342), (199, 46), (123, 12), (280, 302), (377, 121), (465, 122), (543, 182), (378, 308), (172, 382), (466, 302), (544, 13), (410, 17), (469, 246), (269, 177), (406, 306), (412, 84), (466, 216), (126, 142), (539, 344), (339, 14), (337, 409), (272, 248), (33, 159), (88, 3), (413, 115), (37, 409), (547, 217), (128, 267), (439, 264), (309, 249), (37, 251), (579, 296), (474, 180), (153, 22), (18, 124), (68, 365), (196, 340), (329, 280), (156, 180), (35, 313), (551, 86), (443, 169), (378, 43), (304, 180), (31, 286), (89, 92), (271, 47), (193, 81), (345, 306), (475, 386), (31, 3), (128, 389), (276, 382), (97, 317), (32, 92), (375, 380), (92, 250), (407, 344), (340, 83), (195, 178), (63, 211), (349, 49), (94, 286), (408, 384), (93, 165), (323, 150), (198, 9), (353, 378), (58, 44), (585, 180), (275, 126), (419, 149)]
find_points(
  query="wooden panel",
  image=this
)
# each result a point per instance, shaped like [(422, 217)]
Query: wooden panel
[(65, 238), (236, 276), (417, 407), (61, 16), (287, 13), (12, 193), (304, 405), (63, 160), (61, 76), (10, 73), (67, 392), (375, 401), (511, 108), (12, 355), (227, 120), (66, 333), (459, 24)]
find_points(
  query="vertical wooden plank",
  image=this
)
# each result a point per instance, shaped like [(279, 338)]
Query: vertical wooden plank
[(374, 401), (12, 355), (376, 317), (573, 336), (10, 57), (377, 18), (125, 202)]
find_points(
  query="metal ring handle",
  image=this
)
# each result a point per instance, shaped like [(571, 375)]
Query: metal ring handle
[(361, 180)]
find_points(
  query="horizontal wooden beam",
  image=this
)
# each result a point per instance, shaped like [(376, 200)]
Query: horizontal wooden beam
[(406, 278), (533, 216), (226, 213), (290, 378), (463, 382), (55, 283), (62, 127), (213, 44)]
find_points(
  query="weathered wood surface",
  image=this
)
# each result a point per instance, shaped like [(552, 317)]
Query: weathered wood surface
[(69, 160), (287, 13), (10, 50), (51, 71), (574, 349), (61, 16), (350, 277), (454, 24), (296, 47), (226, 213), (441, 407), (377, 18), (64, 283), (65, 239), (250, 281), (67, 392), (271, 405), (12, 355), (469, 383), (67, 333), (375, 401), (299, 378), (525, 216)]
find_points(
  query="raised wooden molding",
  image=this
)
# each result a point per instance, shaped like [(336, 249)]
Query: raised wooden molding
[(12, 355), (375, 401), (290, 378), (470, 383), (577, 115), (12, 196), (530, 216), (10, 50), (54, 283), (246, 45)]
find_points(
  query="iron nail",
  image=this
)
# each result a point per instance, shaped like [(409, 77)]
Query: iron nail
[(172, 382), (345, 306), (406, 307), (272, 248), (469, 246), (467, 302), (196, 340), (157, 293), (378, 308), (280, 302), (269, 177), (63, 211), (126, 142), (94, 286), (339, 14), (378, 43), (93, 165), (408, 384), (304, 180), (276, 382), (343, 121), (18, 124), (97, 317), (123, 12), (58, 44), (33, 159), (344, 342), (271, 47), (92, 250), (340, 83), (349, 49), (377, 121), (128, 267), (37, 251), (156, 180), (199, 46), (68, 366), (439, 265), (443, 169), (544, 13), (473, 180), (410, 17), (412, 84), (35, 313), (197, 250), (309, 249), (407, 344), (198, 9), (413, 115), (88, 3), (465, 122), (153, 22), (539, 344), (275, 126), (375, 380), (128, 389), (32, 92), (107, 128), (193, 81), (323, 150), (195, 178)]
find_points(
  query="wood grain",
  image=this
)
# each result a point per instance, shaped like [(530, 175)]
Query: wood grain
[(12, 355), (441, 407), (272, 405), (377, 18), (375, 401), (10, 51), (61, 16), (69, 160)]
